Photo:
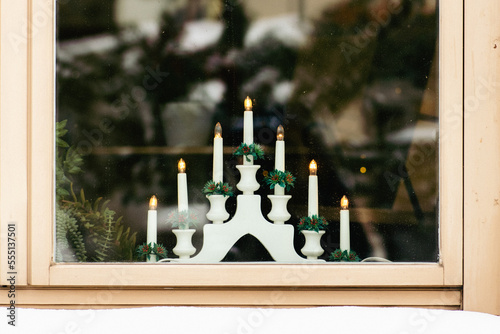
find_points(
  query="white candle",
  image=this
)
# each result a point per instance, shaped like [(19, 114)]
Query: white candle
[(182, 193), (345, 243), (248, 128), (279, 157), (217, 172), (152, 226), (312, 203)]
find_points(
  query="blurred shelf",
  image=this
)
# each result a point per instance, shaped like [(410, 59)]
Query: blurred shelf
[(168, 150), (367, 215)]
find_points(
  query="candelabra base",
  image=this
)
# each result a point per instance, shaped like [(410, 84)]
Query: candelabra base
[(218, 239)]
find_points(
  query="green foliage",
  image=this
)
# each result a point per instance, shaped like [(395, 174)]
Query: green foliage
[(160, 251), (69, 241), (313, 223), (276, 177), (344, 256), (212, 188), (68, 161), (146, 250), (85, 231), (254, 150), (182, 220), (125, 242), (105, 237)]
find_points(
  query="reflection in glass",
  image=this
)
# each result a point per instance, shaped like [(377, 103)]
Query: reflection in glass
[(141, 84)]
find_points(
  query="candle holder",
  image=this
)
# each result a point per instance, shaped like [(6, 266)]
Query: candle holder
[(248, 183), (312, 248), (218, 239), (184, 247), (217, 213), (279, 213)]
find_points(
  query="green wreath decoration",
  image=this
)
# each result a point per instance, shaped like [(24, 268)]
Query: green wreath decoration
[(182, 220), (276, 177), (151, 249), (338, 255), (254, 150), (212, 188), (313, 223)]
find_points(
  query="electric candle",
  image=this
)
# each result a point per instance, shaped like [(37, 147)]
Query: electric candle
[(312, 207), (152, 225), (345, 243), (248, 127), (182, 193), (218, 154), (279, 157)]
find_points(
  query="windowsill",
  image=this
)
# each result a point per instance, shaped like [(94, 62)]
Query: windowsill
[(247, 274)]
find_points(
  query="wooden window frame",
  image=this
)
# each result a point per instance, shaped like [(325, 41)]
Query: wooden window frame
[(35, 151)]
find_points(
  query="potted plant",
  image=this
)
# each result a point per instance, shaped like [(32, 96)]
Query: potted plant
[(313, 229), (183, 220)]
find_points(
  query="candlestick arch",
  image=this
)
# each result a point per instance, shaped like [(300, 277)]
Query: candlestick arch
[(218, 239)]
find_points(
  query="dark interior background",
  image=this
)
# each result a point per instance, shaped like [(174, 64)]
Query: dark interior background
[(354, 83)]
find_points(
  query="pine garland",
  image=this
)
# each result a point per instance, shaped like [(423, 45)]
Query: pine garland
[(220, 188), (279, 178), (344, 256), (313, 223), (182, 220), (254, 150)]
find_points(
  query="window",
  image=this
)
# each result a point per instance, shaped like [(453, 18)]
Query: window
[(139, 92), (253, 274)]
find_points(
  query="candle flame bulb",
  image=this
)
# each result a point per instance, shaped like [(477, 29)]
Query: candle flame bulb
[(344, 203), (218, 131), (181, 166), (280, 133), (248, 104), (313, 168), (153, 202)]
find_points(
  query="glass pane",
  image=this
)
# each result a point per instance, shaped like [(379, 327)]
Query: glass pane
[(142, 84)]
